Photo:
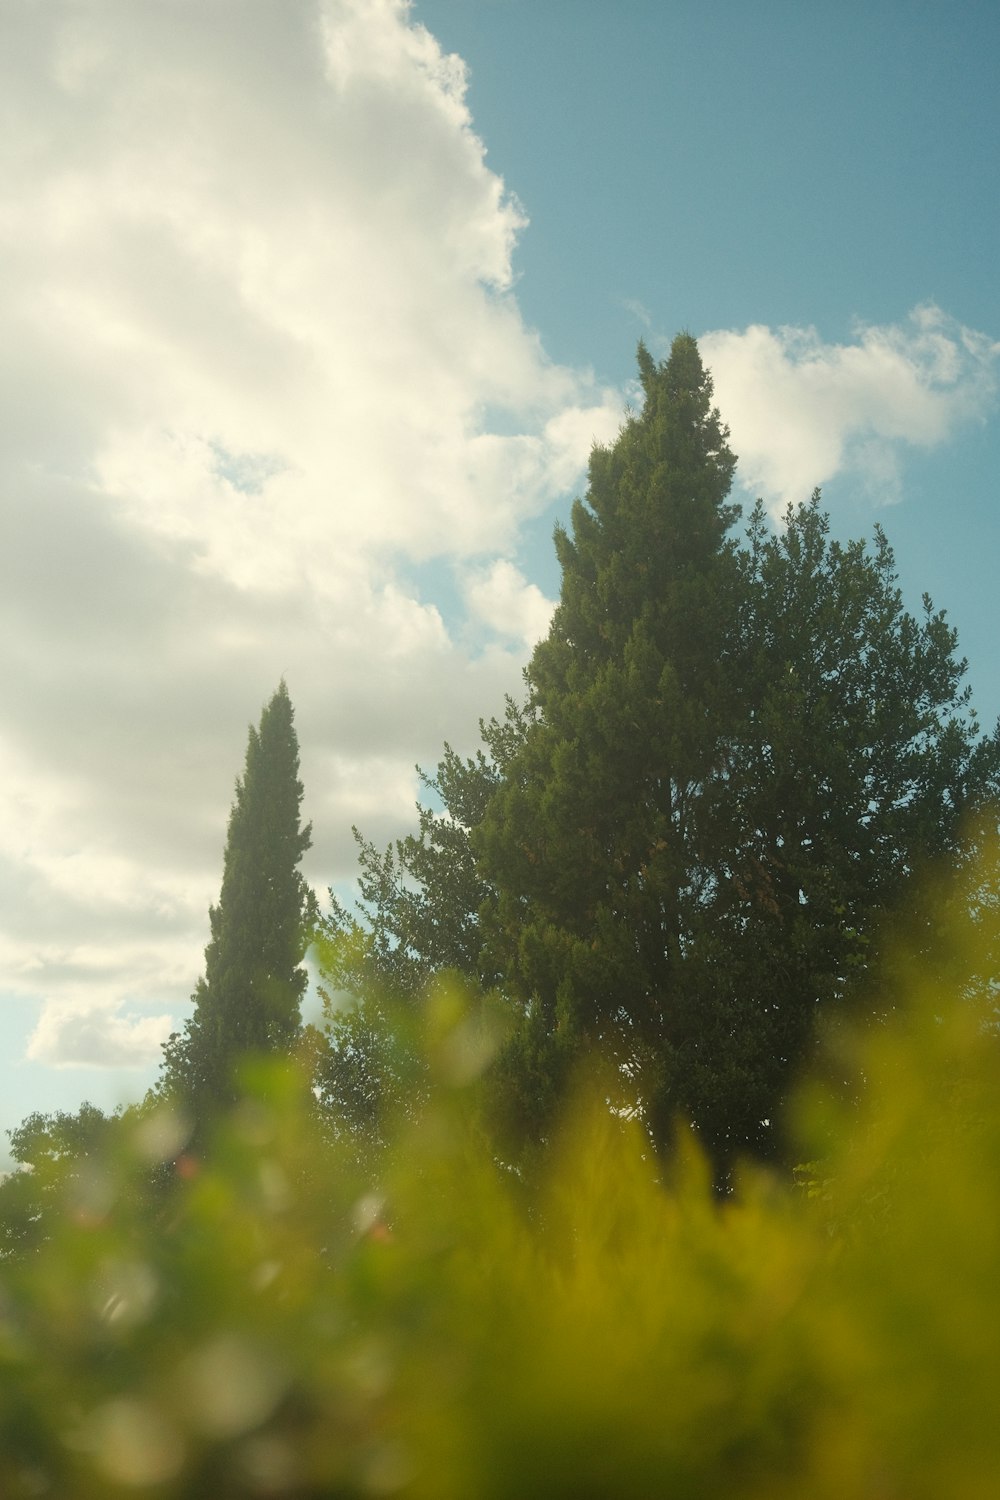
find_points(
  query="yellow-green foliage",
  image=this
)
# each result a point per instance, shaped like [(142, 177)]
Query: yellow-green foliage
[(268, 1322)]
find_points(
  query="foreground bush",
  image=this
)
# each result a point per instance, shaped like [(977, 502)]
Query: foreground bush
[(268, 1320)]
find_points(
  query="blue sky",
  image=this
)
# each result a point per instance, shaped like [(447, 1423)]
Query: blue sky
[(261, 239), (705, 167)]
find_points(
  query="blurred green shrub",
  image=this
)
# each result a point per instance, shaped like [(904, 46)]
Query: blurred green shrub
[(282, 1318)]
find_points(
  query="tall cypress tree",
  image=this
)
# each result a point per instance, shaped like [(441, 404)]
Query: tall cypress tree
[(248, 1000), (594, 842)]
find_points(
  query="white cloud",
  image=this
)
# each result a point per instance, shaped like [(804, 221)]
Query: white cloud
[(91, 1035), (502, 597), (802, 411), (259, 353)]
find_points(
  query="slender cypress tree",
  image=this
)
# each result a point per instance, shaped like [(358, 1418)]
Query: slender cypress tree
[(248, 1000)]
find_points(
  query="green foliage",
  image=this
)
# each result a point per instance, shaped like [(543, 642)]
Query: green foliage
[(43, 1140), (855, 762), (279, 1320), (368, 1072), (248, 1000), (51, 1150), (420, 898), (418, 917)]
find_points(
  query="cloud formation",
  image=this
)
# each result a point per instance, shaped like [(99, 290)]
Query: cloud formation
[(260, 354), (502, 597), (69, 1035), (802, 411)]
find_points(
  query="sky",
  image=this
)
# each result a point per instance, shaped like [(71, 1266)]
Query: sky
[(310, 313)]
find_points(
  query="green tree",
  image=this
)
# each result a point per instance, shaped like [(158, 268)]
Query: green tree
[(856, 768), (596, 842), (417, 917), (248, 1000), (53, 1152), (42, 1141), (418, 912)]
